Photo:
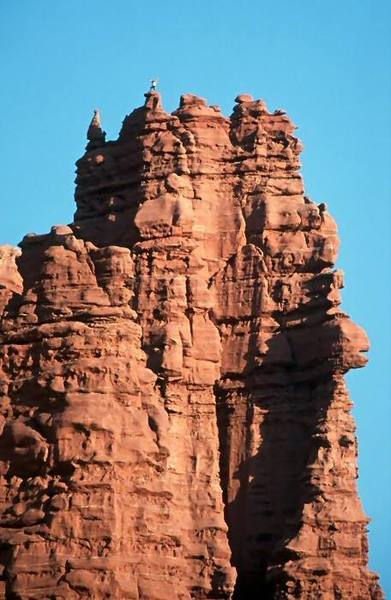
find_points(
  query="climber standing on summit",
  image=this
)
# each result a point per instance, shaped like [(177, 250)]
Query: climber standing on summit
[(153, 86)]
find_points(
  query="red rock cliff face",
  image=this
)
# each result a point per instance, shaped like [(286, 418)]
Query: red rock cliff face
[(174, 419)]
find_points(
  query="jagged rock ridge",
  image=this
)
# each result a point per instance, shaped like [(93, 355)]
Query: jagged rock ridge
[(175, 422)]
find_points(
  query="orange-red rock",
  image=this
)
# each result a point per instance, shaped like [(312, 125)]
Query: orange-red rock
[(174, 420)]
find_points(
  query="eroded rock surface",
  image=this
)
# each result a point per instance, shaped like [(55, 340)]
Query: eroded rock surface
[(174, 418)]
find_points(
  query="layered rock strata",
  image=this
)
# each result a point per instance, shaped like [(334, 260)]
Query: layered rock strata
[(174, 418)]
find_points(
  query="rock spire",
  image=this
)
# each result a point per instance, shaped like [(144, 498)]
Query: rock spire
[(174, 418), (95, 134)]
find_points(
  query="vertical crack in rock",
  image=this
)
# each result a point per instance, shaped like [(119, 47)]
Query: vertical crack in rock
[(174, 420)]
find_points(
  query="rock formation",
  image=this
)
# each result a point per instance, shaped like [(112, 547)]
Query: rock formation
[(174, 418)]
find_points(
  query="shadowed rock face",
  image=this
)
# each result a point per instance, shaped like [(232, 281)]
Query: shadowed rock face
[(174, 418)]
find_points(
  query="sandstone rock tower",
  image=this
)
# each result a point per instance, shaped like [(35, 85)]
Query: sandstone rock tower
[(174, 418)]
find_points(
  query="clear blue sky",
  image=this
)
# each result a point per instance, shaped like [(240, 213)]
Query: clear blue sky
[(326, 63)]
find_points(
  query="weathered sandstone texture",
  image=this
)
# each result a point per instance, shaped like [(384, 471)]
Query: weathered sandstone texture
[(174, 418)]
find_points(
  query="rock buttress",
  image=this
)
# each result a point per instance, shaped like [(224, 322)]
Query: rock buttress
[(174, 417)]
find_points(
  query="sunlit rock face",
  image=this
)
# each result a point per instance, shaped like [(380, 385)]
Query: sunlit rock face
[(174, 418)]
